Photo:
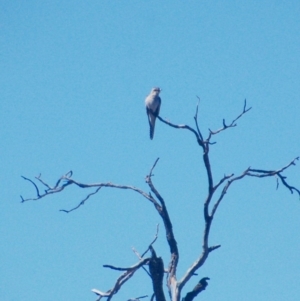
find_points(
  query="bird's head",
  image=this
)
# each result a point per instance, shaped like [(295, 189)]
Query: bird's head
[(203, 281), (156, 90)]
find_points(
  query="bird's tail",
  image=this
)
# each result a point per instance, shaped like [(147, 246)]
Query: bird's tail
[(151, 132), (152, 125)]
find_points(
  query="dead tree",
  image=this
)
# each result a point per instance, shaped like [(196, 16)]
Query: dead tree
[(215, 194)]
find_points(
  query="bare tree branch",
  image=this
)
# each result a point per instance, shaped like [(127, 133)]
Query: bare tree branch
[(136, 266), (211, 204), (156, 268), (137, 298), (208, 217), (129, 271), (154, 240), (211, 190), (70, 181), (232, 124), (198, 134), (258, 173), (268, 173), (182, 126), (163, 212), (196, 120), (224, 190), (49, 190), (36, 188), (141, 256), (159, 206), (120, 281), (82, 202)]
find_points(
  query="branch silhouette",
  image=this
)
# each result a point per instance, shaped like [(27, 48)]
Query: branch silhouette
[(215, 194)]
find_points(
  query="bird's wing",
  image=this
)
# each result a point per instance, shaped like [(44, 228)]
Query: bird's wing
[(156, 113), (149, 115)]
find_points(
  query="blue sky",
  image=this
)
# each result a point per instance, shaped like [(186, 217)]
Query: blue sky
[(74, 78)]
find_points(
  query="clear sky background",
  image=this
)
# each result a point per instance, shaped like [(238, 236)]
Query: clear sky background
[(74, 76)]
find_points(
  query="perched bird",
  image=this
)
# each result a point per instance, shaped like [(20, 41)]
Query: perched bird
[(153, 103), (201, 286)]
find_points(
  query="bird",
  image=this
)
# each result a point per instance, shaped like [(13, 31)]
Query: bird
[(153, 103), (201, 286)]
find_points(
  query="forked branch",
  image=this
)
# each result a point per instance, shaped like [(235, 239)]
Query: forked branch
[(157, 200), (211, 204), (163, 212), (129, 272), (197, 132), (66, 180), (233, 122)]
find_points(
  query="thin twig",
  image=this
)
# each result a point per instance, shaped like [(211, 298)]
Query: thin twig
[(82, 202), (150, 173), (232, 124), (137, 298), (196, 119), (136, 266), (36, 188), (182, 126), (153, 241)]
